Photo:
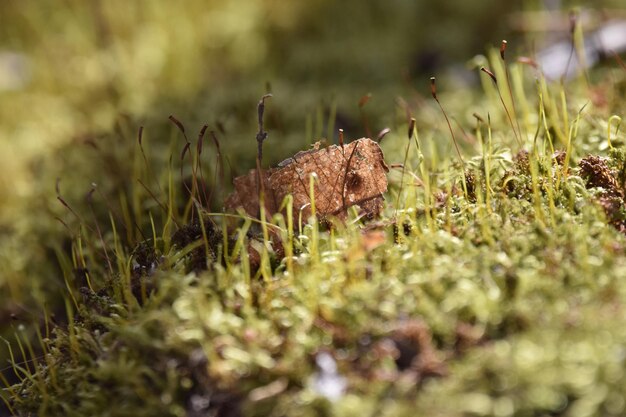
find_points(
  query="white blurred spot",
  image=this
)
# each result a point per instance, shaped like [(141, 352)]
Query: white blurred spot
[(327, 382)]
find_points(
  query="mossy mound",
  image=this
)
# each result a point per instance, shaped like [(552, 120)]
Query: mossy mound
[(490, 285)]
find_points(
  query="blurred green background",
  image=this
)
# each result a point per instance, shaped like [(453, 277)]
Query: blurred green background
[(77, 75), (71, 68)]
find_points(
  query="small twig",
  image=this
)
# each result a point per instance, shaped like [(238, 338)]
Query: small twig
[(260, 137), (261, 134), (345, 175)]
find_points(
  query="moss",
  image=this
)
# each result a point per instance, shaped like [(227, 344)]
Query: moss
[(481, 317), (500, 295)]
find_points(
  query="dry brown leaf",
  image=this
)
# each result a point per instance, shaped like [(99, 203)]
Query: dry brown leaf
[(246, 194), (353, 174)]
